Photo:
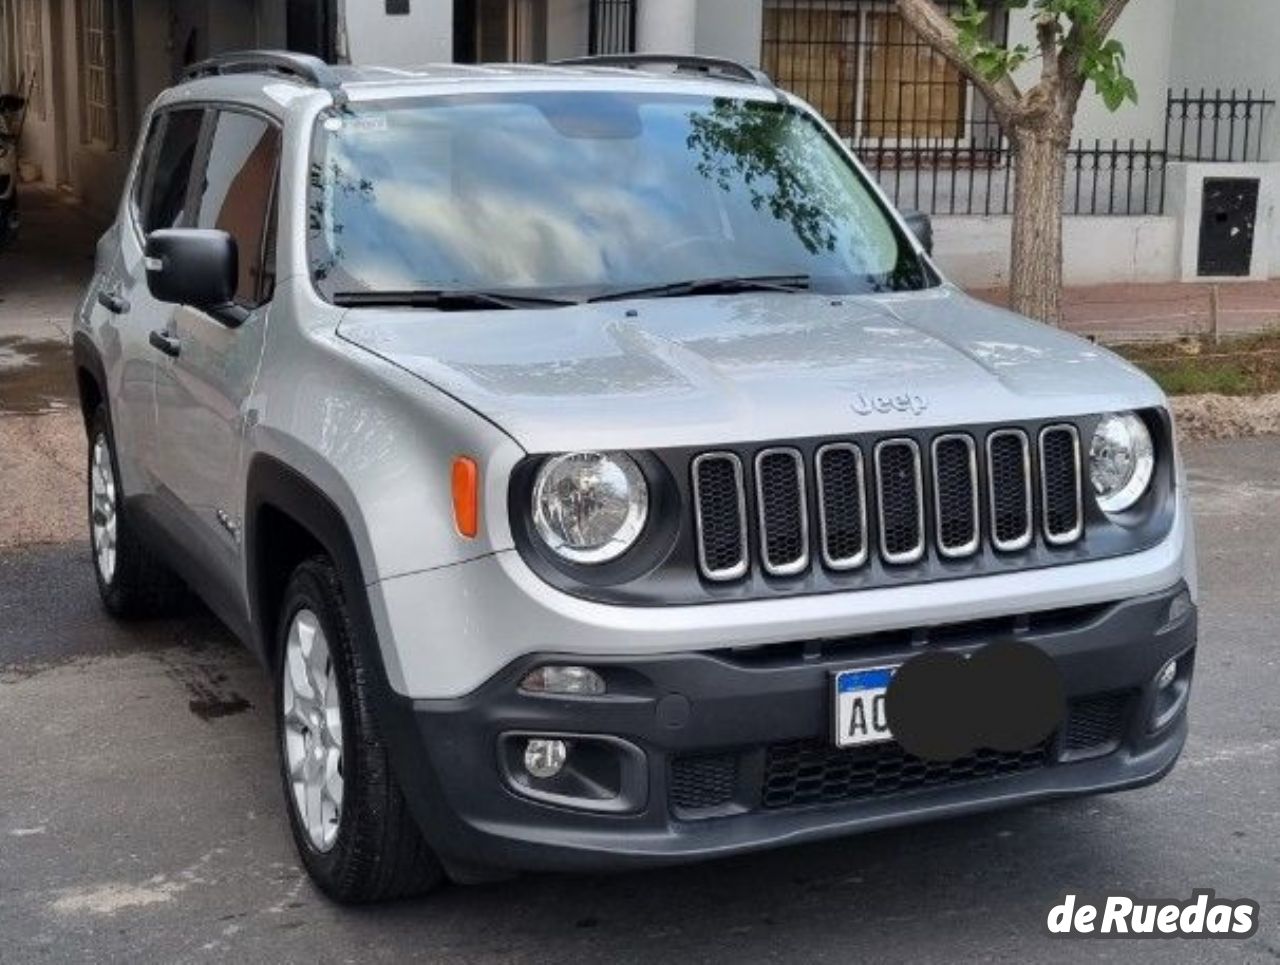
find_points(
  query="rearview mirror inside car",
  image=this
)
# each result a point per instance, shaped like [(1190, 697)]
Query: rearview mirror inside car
[(192, 266)]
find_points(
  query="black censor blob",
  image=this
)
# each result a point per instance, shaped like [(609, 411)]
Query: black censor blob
[(1007, 697)]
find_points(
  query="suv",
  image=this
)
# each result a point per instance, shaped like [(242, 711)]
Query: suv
[(583, 447)]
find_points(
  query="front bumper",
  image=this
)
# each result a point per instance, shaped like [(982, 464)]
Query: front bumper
[(728, 751)]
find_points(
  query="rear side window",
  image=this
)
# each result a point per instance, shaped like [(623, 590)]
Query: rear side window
[(167, 169), (238, 197)]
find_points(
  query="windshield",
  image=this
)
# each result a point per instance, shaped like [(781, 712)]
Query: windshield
[(586, 194)]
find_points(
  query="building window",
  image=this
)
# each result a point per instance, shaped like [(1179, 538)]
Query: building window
[(98, 59), (866, 71), (612, 27), (31, 28), (500, 31)]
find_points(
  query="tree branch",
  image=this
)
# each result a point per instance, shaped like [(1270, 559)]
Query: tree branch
[(1073, 79), (1042, 98), (936, 29)]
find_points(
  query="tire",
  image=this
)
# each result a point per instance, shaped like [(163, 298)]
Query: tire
[(132, 580), (355, 835)]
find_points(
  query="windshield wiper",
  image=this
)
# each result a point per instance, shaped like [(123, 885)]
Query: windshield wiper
[(730, 285), (446, 300)]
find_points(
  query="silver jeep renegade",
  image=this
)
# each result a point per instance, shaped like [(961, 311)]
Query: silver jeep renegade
[(585, 447)]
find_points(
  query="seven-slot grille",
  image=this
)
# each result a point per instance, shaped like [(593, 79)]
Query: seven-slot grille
[(898, 497)]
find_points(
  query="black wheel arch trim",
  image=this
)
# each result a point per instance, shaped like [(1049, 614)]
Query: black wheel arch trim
[(276, 485), (273, 484), (85, 357)]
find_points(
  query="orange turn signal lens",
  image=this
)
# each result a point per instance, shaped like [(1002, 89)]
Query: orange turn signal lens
[(466, 496)]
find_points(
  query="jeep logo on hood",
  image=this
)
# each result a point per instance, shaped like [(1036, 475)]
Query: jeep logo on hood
[(912, 402)]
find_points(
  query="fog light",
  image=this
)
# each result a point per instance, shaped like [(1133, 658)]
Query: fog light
[(570, 681), (1168, 674), (544, 758)]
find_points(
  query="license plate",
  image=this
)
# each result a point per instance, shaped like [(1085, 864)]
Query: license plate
[(860, 707)]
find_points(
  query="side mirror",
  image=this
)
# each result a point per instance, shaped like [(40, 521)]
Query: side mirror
[(11, 103), (921, 226), (196, 267)]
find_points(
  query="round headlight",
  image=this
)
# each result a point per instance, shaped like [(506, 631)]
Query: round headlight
[(590, 507), (1121, 461)]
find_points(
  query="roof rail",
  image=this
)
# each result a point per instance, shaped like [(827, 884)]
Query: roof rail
[(719, 67), (286, 63)]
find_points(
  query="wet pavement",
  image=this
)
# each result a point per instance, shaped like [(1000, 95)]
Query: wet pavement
[(45, 269), (36, 376)]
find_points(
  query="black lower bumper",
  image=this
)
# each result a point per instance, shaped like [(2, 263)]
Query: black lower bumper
[(698, 755)]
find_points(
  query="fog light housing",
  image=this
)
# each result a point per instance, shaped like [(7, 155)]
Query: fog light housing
[(545, 758), (564, 681), (1179, 608), (1168, 675)]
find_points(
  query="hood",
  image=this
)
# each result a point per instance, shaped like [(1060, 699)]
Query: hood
[(745, 368)]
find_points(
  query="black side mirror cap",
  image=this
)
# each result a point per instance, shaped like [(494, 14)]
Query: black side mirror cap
[(922, 227), (193, 266)]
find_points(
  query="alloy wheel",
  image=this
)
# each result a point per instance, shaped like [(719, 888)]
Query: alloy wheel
[(102, 508), (313, 730)]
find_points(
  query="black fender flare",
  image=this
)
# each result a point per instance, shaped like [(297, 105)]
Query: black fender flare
[(86, 357), (274, 484)]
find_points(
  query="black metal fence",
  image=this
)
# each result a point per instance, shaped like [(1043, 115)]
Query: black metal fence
[(612, 26), (1217, 126), (931, 138)]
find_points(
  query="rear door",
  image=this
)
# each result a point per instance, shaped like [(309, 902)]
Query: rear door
[(203, 394)]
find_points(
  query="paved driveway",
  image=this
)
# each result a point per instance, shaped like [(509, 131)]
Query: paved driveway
[(140, 817)]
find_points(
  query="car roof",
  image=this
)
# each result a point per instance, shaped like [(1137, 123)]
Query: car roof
[(272, 84)]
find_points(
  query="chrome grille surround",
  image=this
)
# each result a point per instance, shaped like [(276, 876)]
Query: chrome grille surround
[(1009, 543), (906, 555), (826, 535), (1073, 533), (765, 506), (739, 568), (970, 545)]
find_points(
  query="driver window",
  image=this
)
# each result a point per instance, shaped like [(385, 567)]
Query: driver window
[(238, 197)]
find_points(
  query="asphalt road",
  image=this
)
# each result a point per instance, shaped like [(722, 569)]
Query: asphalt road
[(140, 817)]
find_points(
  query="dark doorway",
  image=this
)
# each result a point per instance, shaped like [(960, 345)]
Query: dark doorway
[(1226, 226), (612, 27), (499, 31), (309, 28)]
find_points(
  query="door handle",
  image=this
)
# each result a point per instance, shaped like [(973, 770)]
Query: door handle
[(113, 302), (166, 343)]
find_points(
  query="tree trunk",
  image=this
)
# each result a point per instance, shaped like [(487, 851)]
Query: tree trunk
[(1035, 270)]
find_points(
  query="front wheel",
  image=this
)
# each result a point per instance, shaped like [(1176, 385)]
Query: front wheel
[(349, 818)]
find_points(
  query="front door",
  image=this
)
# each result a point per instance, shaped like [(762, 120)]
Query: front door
[(159, 198), (203, 394)]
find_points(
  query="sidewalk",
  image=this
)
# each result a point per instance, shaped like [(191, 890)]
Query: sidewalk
[(44, 270), (1120, 313)]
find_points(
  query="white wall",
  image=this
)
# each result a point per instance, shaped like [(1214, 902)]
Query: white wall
[(730, 28), (568, 23), (1230, 43), (423, 36), (666, 26), (974, 252)]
